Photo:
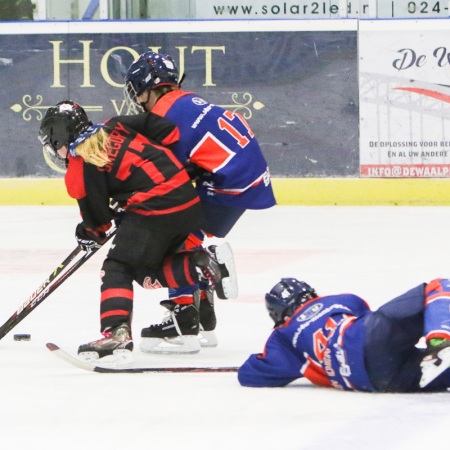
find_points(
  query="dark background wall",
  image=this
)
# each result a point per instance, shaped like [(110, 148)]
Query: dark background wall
[(298, 90)]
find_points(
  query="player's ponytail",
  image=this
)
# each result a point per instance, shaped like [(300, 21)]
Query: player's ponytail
[(93, 149)]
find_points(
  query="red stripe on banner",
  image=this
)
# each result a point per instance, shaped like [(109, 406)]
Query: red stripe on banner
[(117, 292), (115, 312), (427, 92), (168, 272)]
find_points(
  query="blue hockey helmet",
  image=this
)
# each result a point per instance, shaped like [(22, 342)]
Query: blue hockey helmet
[(149, 71), (61, 125), (286, 296)]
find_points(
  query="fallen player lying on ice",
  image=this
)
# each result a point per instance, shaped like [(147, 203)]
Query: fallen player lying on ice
[(337, 341)]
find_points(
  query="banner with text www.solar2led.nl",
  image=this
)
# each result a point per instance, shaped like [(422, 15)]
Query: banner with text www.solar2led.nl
[(404, 98)]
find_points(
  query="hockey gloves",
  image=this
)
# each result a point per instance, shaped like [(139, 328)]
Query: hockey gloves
[(194, 171), (87, 240), (117, 212)]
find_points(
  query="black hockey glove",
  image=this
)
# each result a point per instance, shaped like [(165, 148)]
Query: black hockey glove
[(88, 241), (193, 170), (117, 212)]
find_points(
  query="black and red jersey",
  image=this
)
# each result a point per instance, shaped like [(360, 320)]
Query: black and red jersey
[(142, 176)]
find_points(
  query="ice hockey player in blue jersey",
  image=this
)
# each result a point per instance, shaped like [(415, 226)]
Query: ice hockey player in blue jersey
[(337, 341), (223, 157)]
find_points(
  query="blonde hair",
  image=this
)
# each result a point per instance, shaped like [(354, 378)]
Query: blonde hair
[(93, 149)]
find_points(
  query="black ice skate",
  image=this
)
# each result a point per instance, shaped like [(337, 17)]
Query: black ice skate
[(436, 361), (208, 320), (217, 266), (177, 333), (114, 349)]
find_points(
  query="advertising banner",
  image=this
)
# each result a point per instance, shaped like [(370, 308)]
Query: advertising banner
[(319, 9), (296, 82), (404, 77)]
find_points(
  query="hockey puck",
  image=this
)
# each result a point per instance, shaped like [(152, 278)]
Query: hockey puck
[(22, 337)]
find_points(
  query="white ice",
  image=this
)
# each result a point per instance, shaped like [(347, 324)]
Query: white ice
[(376, 252)]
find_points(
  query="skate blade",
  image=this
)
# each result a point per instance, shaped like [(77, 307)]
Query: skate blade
[(224, 255), (178, 345), (119, 358), (430, 371), (208, 339)]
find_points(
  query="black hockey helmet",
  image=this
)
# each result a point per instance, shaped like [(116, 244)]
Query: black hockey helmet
[(149, 71), (61, 125), (286, 296)]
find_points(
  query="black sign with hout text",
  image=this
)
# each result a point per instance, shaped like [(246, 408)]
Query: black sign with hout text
[(298, 90)]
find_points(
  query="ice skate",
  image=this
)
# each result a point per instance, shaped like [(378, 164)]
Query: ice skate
[(217, 266), (206, 336), (112, 350), (177, 333), (436, 361), (208, 321)]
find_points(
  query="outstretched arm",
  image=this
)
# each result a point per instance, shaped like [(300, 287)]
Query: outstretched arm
[(277, 366)]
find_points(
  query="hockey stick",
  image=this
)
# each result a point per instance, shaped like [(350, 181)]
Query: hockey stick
[(56, 278), (93, 368)]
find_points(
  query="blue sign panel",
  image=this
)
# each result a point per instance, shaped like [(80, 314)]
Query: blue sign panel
[(297, 89)]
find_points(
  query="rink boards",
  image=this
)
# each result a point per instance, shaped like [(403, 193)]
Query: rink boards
[(288, 191)]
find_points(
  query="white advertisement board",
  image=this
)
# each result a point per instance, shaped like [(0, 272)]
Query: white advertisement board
[(318, 9), (404, 94)]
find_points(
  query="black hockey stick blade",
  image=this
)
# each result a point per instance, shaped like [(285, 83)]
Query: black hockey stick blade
[(100, 369), (52, 282)]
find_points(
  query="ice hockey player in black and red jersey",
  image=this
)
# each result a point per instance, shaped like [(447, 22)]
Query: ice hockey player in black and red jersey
[(221, 153), (337, 341), (111, 162)]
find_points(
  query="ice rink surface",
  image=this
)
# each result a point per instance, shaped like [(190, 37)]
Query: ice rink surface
[(376, 252)]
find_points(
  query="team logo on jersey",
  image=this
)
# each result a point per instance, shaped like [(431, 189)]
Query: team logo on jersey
[(199, 101), (310, 312), (149, 284)]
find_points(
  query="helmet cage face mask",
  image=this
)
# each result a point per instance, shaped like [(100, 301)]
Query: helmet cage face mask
[(50, 153), (53, 159), (131, 99), (130, 93), (287, 296)]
